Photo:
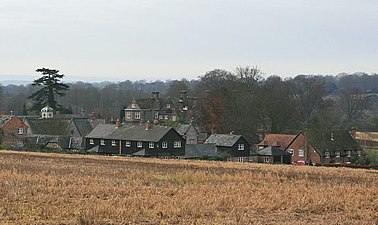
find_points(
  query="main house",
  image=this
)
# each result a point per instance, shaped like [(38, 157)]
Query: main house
[(315, 146), (157, 109), (232, 147), (135, 140)]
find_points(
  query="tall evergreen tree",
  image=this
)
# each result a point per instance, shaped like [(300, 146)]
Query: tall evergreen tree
[(51, 88)]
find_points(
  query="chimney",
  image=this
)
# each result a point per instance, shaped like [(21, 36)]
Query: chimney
[(148, 125), (183, 94), (118, 123), (155, 94), (353, 132)]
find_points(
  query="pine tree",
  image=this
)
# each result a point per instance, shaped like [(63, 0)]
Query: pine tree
[(51, 87)]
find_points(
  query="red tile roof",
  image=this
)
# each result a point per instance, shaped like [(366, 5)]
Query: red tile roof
[(277, 140)]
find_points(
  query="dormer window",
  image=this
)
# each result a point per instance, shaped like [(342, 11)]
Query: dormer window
[(133, 106), (168, 106), (20, 131)]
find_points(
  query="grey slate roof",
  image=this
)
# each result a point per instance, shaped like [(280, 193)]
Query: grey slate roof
[(101, 131), (140, 133), (65, 142), (182, 129), (48, 126), (129, 132), (223, 140), (83, 125), (272, 151), (200, 150)]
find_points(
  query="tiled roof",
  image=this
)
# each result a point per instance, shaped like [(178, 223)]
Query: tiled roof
[(4, 120), (272, 151), (224, 140), (101, 131), (332, 141), (53, 126), (277, 140), (83, 125)]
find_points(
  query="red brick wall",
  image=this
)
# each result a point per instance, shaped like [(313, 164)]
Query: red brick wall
[(300, 143), (10, 131)]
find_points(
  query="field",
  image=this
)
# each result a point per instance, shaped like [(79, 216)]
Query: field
[(39, 188)]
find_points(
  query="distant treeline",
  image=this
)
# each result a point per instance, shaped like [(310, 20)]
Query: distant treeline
[(240, 101)]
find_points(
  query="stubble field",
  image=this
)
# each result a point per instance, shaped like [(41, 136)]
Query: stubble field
[(38, 188)]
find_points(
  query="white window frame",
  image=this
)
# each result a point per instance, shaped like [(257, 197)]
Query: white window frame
[(300, 153), (128, 115), (291, 151), (326, 155), (177, 144), (20, 131), (91, 141), (128, 144), (164, 144), (137, 115), (241, 159), (156, 115), (168, 106), (102, 142), (267, 159), (337, 154), (174, 118), (133, 105), (161, 117), (349, 153), (241, 147), (166, 117), (151, 145), (139, 144), (114, 143)]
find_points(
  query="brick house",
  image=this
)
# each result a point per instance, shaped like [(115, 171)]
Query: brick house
[(232, 147), (315, 146), (13, 131), (157, 109), (146, 140)]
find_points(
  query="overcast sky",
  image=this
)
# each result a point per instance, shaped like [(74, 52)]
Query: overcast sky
[(174, 39)]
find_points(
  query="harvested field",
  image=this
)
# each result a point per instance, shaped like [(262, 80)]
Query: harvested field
[(39, 188)]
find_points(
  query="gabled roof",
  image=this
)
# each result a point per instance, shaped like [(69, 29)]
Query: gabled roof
[(223, 140), (101, 131), (332, 141), (140, 133), (200, 150), (277, 140), (83, 126), (272, 151), (4, 120), (182, 129), (52, 126)]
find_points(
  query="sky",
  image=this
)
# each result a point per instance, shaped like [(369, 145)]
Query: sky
[(115, 40)]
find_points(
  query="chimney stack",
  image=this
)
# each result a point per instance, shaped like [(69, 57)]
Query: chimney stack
[(118, 123)]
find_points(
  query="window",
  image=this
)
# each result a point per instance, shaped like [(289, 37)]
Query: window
[(240, 159), (164, 144), (156, 115), (151, 145), (113, 143), (349, 154), (240, 147), (326, 154), (177, 144), (267, 159), (128, 115), (128, 144), (161, 117), (166, 117), (337, 154), (168, 106), (20, 130), (359, 153), (91, 141), (102, 142), (139, 144), (300, 153), (137, 115), (174, 118), (133, 106), (291, 151)]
